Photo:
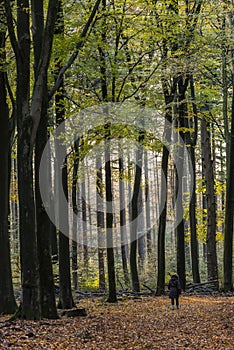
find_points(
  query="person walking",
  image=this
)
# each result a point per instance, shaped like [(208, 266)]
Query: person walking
[(174, 291)]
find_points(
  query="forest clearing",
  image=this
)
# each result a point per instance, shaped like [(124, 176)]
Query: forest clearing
[(202, 322)]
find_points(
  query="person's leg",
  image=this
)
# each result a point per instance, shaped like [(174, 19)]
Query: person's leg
[(172, 303), (177, 303)]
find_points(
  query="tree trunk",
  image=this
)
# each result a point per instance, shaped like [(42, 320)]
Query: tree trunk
[(84, 222), (168, 96), (212, 265), (229, 213), (31, 306), (147, 207), (48, 306), (134, 218), (44, 227), (123, 232), (140, 229), (75, 215), (181, 122), (162, 224), (109, 228), (7, 300), (100, 223), (193, 204), (108, 181), (65, 293)]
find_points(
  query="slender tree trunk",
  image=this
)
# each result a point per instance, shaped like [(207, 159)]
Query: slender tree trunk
[(7, 300), (193, 202), (65, 293), (162, 226), (134, 218), (109, 228), (147, 206), (123, 232), (229, 213), (53, 229), (140, 228), (75, 215), (179, 218), (108, 180), (100, 224), (182, 122), (84, 222), (163, 206), (88, 206), (212, 265)]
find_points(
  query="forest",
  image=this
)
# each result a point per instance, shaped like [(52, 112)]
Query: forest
[(116, 163)]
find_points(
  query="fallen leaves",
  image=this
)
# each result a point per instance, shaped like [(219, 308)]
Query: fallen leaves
[(147, 323)]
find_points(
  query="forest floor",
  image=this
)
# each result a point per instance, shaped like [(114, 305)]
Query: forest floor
[(202, 322)]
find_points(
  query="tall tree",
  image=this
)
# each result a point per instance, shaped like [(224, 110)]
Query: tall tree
[(212, 264), (47, 295), (192, 207), (147, 205), (100, 222), (65, 293), (123, 231), (108, 178), (229, 213), (135, 214), (163, 207), (75, 214), (7, 300)]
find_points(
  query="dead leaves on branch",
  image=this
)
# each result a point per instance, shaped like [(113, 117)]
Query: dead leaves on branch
[(148, 323)]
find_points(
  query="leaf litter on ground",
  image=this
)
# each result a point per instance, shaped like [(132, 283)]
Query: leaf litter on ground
[(143, 323)]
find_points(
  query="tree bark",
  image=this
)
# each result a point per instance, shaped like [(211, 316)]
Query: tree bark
[(65, 293), (47, 295), (147, 207), (75, 215), (31, 305), (100, 223), (123, 232), (134, 217), (193, 203), (7, 299), (168, 96), (28, 119), (109, 228), (229, 213), (212, 265)]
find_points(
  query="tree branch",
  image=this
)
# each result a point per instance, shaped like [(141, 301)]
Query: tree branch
[(10, 26), (79, 45), (143, 83), (37, 96)]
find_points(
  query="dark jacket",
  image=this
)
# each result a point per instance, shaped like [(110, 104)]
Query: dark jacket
[(174, 287)]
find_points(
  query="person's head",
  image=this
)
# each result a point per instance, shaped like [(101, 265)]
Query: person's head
[(175, 276)]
